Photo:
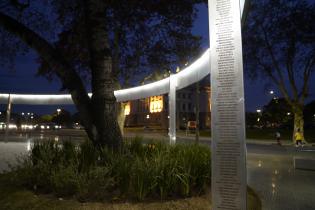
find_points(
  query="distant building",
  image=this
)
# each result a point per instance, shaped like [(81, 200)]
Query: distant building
[(153, 111)]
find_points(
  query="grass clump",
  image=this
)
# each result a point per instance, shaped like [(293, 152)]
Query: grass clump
[(139, 171)]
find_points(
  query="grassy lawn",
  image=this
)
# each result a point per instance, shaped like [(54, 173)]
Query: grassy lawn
[(16, 198)]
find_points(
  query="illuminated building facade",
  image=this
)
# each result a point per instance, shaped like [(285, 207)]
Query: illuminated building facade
[(153, 111)]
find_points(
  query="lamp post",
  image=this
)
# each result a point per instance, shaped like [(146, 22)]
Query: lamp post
[(259, 113)]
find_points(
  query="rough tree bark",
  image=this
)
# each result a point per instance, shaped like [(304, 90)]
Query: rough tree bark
[(298, 120), (104, 109), (121, 117)]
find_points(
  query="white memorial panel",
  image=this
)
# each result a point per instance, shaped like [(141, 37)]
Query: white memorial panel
[(227, 106)]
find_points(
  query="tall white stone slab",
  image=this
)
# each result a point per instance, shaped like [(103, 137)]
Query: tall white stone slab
[(227, 106), (172, 109)]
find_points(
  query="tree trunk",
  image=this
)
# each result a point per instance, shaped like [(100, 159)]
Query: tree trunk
[(197, 112), (121, 117), (103, 99), (298, 121)]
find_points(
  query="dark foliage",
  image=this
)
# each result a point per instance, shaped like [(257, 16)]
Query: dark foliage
[(140, 171)]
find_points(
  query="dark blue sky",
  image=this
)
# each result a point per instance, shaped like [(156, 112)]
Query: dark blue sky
[(23, 79)]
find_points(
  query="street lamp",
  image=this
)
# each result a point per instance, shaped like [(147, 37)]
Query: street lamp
[(271, 92), (259, 114), (22, 113), (58, 111)]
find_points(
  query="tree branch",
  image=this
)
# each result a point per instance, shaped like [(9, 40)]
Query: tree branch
[(306, 75), (289, 64), (54, 58), (273, 58), (279, 83)]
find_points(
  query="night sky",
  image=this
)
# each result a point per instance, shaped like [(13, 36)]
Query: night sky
[(23, 80)]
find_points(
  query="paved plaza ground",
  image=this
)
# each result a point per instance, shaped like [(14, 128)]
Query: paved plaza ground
[(270, 168)]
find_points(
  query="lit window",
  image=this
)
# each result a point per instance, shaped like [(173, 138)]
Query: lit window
[(156, 104), (127, 108)]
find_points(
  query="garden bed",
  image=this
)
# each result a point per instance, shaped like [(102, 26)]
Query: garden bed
[(154, 175)]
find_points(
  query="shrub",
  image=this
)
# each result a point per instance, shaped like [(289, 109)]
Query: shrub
[(165, 173), (87, 156), (96, 185), (65, 181), (141, 178), (138, 171)]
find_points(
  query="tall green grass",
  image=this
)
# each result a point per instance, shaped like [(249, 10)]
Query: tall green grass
[(154, 170)]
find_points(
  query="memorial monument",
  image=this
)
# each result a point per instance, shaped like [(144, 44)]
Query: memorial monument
[(227, 104)]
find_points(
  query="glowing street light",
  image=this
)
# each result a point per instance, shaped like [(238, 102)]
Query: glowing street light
[(22, 113), (258, 110), (271, 92), (58, 111), (289, 113)]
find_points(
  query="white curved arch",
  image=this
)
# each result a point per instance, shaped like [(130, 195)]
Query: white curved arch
[(191, 74)]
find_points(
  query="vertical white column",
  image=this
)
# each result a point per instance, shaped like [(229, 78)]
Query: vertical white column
[(172, 109), (227, 106), (8, 118)]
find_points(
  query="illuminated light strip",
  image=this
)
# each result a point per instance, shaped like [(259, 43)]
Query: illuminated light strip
[(37, 99), (191, 74)]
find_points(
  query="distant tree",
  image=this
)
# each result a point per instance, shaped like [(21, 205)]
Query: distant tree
[(63, 117), (276, 113), (75, 118), (251, 119), (309, 114), (279, 43), (46, 118), (103, 42)]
